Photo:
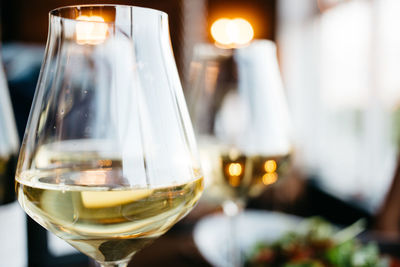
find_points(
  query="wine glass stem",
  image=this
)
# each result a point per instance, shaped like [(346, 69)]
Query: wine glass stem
[(232, 209)]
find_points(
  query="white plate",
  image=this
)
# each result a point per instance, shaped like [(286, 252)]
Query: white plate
[(211, 234)]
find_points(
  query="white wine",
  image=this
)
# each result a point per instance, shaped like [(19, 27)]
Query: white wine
[(236, 176), (107, 223), (248, 175)]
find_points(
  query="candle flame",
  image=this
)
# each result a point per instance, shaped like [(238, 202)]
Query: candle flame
[(91, 30), (232, 33)]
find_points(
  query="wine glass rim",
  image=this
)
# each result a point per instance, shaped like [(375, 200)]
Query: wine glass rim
[(56, 11)]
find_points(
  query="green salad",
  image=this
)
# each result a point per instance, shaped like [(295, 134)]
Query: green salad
[(317, 243)]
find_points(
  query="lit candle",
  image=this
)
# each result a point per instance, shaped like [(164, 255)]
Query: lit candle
[(91, 30), (232, 33)]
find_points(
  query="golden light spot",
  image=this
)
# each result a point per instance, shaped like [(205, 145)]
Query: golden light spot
[(105, 162), (270, 178), (91, 30), (235, 169), (270, 166), (107, 199), (234, 181), (231, 33)]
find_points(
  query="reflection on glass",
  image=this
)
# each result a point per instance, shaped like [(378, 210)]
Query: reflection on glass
[(90, 30)]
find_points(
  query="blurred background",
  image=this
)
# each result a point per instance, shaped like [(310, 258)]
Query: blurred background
[(339, 61)]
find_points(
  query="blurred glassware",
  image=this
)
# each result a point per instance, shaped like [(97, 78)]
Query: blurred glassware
[(241, 119), (9, 143), (324, 5), (109, 160), (341, 75)]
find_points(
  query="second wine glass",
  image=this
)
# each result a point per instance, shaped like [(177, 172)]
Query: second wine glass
[(241, 119)]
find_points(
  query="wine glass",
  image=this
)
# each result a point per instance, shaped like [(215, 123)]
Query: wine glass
[(241, 120), (108, 162), (9, 143)]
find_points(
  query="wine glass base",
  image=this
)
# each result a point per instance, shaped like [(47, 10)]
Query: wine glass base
[(111, 252)]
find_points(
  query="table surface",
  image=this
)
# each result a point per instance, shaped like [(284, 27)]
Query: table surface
[(176, 247)]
